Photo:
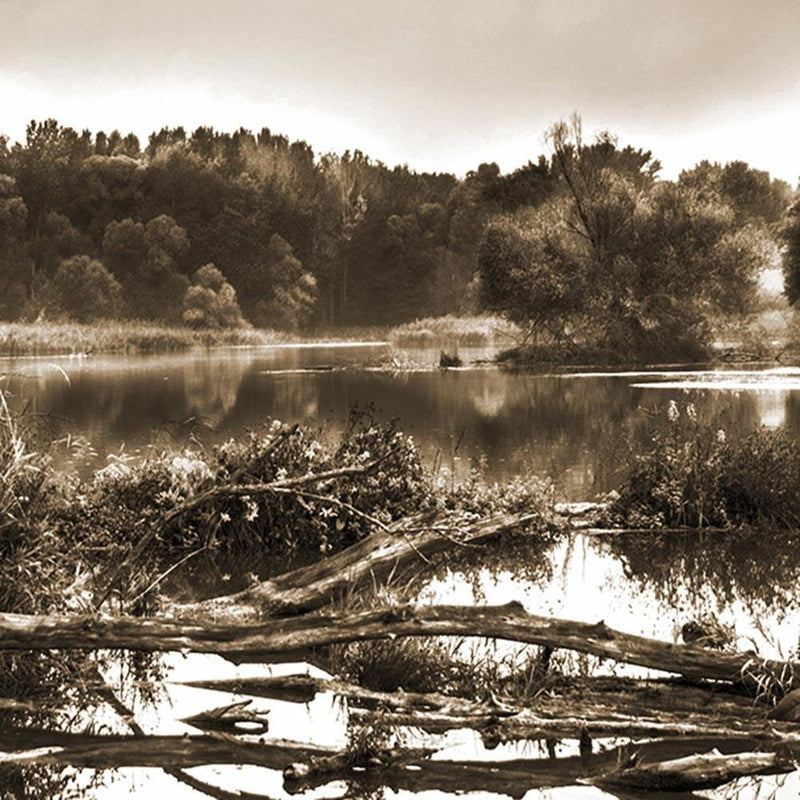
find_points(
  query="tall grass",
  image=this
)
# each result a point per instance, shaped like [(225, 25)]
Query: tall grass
[(115, 336), (693, 475), (452, 331)]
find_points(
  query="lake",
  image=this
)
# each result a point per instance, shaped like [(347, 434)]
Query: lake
[(574, 427)]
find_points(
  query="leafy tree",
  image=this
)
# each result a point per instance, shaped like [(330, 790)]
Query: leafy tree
[(617, 261), (85, 290), (210, 302), (294, 291), (754, 197), (145, 259), (14, 262)]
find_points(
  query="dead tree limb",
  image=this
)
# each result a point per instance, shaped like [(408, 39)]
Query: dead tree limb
[(373, 558), (694, 772), (36, 746), (261, 642)]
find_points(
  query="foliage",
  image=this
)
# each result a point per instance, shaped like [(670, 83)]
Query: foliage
[(694, 476), (85, 290), (345, 240), (293, 290), (210, 302), (616, 263)]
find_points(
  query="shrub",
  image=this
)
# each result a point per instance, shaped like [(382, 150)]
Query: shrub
[(210, 302), (693, 476), (85, 290)]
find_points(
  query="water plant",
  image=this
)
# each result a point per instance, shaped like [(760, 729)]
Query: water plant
[(695, 475)]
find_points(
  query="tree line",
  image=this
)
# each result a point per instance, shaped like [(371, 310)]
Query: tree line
[(213, 229)]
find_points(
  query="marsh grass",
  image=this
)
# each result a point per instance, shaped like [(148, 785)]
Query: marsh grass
[(694, 476), (451, 331), (115, 336)]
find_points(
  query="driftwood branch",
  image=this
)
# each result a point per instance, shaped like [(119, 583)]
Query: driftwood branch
[(35, 746), (695, 772), (263, 641), (374, 558), (232, 719)]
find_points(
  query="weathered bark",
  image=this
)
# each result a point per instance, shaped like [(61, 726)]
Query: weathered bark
[(261, 641), (527, 724), (303, 689), (513, 778), (34, 746), (233, 719), (618, 707), (342, 765), (695, 772), (408, 541)]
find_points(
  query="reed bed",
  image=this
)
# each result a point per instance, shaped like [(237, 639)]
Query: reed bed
[(479, 331), (115, 336)]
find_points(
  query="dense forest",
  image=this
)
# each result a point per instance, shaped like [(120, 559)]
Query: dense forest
[(212, 229)]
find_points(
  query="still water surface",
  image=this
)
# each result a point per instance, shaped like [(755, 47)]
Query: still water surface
[(575, 428)]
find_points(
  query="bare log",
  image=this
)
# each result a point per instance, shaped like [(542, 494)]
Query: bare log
[(695, 772), (329, 768), (261, 642), (35, 746), (233, 719), (380, 554)]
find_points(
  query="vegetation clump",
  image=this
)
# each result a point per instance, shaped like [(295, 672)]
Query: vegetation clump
[(694, 476), (122, 336)]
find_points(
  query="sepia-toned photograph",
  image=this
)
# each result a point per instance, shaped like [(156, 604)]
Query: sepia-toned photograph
[(399, 399)]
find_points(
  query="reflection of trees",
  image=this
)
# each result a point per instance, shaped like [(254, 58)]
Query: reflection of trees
[(759, 568), (577, 430), (211, 394)]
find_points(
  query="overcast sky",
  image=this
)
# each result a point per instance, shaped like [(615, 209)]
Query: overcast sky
[(438, 84)]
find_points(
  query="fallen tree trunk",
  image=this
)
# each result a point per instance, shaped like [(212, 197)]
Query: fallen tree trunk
[(263, 641), (695, 772), (385, 552), (35, 746), (512, 777), (617, 707), (342, 765)]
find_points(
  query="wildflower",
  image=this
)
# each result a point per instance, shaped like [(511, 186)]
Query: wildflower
[(225, 516), (672, 411), (721, 436), (691, 411)]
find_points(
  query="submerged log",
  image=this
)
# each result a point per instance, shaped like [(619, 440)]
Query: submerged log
[(329, 768), (695, 772), (385, 552), (233, 719), (36, 746), (261, 642)]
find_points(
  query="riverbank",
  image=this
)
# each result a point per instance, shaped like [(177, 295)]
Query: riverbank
[(124, 337)]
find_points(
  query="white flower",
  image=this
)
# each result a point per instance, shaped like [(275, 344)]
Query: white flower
[(721, 436), (672, 411), (691, 411)]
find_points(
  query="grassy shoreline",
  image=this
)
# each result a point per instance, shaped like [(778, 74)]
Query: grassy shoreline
[(125, 337)]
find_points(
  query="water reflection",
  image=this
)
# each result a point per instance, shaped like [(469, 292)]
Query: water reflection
[(576, 429)]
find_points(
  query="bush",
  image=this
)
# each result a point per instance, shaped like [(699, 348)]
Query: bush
[(693, 476), (210, 302), (85, 290)]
